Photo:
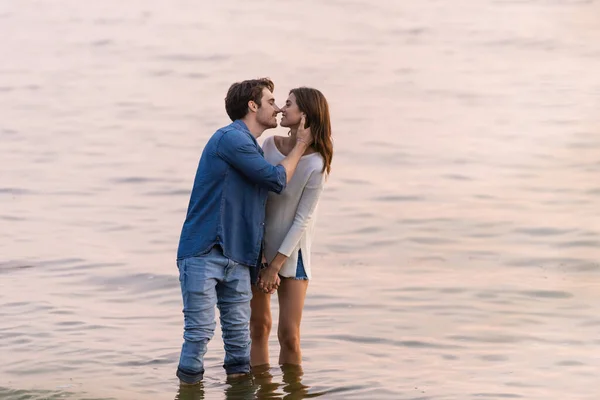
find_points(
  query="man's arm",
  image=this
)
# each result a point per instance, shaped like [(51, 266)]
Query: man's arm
[(235, 148), (241, 153), (291, 161), (303, 140)]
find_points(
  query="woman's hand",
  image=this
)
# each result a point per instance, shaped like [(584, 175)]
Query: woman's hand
[(268, 280)]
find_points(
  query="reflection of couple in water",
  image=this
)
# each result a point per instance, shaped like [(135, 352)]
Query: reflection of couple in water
[(248, 233), (259, 385)]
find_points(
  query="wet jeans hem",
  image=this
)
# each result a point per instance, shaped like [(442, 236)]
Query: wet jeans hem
[(237, 368), (189, 377)]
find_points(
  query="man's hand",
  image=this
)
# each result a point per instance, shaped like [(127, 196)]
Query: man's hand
[(304, 135), (304, 139), (268, 280)]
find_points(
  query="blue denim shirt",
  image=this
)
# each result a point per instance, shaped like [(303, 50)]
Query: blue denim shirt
[(227, 204)]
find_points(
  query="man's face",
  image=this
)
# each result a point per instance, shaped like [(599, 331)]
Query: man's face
[(266, 115)]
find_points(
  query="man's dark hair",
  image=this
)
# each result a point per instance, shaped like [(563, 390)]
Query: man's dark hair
[(240, 93)]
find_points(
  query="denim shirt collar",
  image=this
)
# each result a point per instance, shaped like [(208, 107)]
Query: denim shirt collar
[(241, 125)]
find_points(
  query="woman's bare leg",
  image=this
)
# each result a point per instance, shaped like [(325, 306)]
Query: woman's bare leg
[(291, 295)]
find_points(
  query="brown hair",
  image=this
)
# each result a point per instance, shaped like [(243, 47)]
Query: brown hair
[(312, 102), (240, 93)]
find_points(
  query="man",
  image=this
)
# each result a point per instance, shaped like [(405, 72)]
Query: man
[(222, 234)]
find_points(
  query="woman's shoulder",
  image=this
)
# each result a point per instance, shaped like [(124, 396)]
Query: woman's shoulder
[(316, 174), (316, 161), (268, 140), (268, 144)]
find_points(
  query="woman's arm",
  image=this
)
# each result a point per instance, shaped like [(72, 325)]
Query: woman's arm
[(306, 207), (269, 278)]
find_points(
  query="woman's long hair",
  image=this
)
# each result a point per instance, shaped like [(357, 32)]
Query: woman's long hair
[(312, 102)]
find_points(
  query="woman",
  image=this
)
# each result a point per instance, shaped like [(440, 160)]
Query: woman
[(289, 225)]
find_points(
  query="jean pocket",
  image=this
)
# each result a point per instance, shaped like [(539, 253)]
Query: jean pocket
[(181, 267)]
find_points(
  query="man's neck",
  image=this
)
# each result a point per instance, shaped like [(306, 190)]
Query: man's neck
[(254, 127)]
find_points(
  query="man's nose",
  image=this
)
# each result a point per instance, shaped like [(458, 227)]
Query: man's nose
[(277, 109)]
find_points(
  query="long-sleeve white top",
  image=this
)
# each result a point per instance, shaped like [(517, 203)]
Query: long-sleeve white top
[(290, 216)]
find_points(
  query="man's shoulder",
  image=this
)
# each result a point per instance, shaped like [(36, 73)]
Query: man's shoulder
[(233, 134), (227, 130), (236, 126)]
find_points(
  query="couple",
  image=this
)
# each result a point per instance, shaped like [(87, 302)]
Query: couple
[(249, 225)]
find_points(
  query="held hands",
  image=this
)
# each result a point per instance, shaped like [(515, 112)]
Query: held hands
[(304, 135), (268, 280)]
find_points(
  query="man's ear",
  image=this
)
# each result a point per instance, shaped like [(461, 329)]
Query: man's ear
[(252, 106)]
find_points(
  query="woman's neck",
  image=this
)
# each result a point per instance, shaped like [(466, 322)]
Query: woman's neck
[(293, 135), (290, 142)]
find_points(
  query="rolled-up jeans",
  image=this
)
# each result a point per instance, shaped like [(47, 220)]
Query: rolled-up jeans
[(208, 280)]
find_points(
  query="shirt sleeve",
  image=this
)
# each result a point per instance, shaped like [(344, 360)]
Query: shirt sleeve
[(243, 155), (306, 207)]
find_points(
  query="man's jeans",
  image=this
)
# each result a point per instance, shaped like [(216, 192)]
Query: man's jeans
[(208, 280)]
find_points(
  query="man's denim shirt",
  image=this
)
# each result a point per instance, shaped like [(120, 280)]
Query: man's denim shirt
[(227, 204)]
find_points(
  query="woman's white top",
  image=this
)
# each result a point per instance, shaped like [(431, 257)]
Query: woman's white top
[(290, 216)]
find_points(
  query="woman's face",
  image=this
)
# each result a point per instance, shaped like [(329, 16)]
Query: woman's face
[(290, 112)]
